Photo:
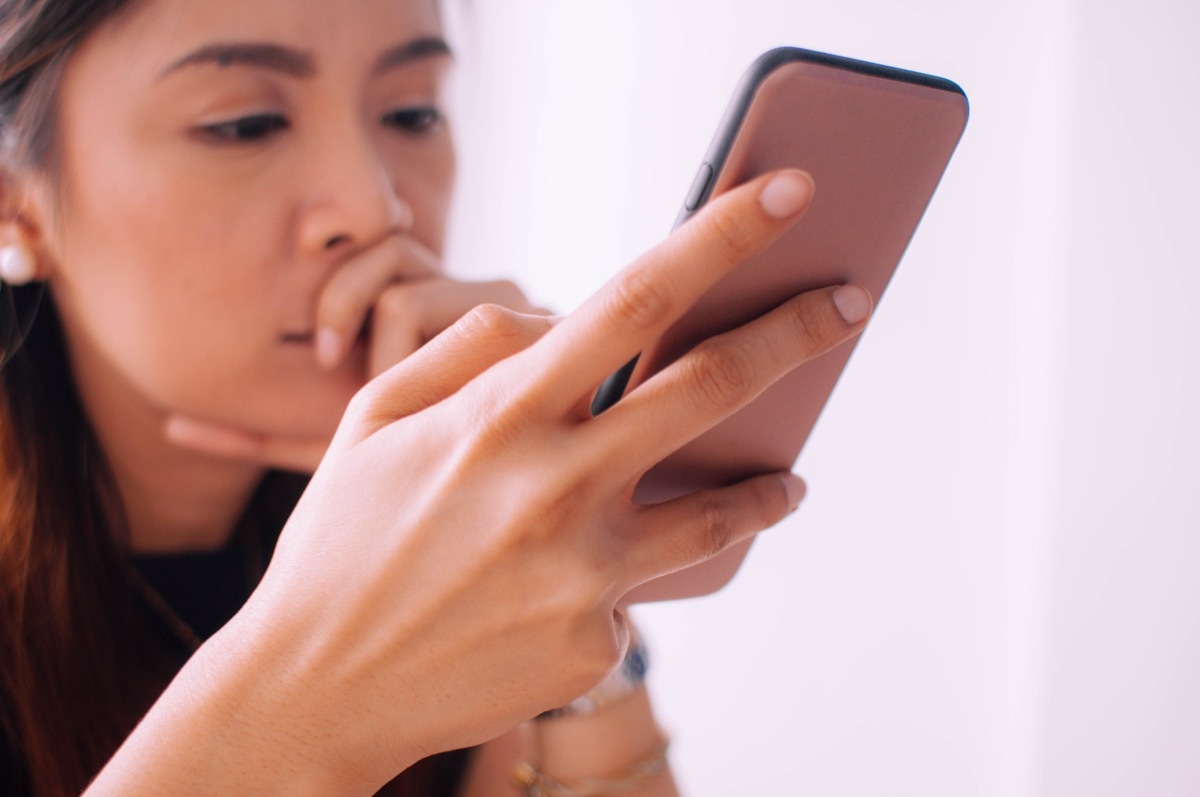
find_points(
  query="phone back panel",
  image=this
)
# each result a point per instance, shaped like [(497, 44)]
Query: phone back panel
[(876, 141)]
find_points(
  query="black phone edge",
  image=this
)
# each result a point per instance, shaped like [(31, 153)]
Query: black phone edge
[(613, 388)]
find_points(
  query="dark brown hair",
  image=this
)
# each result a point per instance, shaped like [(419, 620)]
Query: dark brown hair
[(78, 661), (74, 674)]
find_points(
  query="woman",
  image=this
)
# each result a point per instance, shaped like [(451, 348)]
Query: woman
[(224, 219)]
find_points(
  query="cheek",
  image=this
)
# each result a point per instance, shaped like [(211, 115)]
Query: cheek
[(147, 279), (204, 353), (164, 279), (442, 189), (180, 300), (426, 182), (170, 347)]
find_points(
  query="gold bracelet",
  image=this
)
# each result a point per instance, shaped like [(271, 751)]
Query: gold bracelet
[(535, 783)]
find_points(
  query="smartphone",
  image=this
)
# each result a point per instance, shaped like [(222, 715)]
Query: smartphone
[(876, 140)]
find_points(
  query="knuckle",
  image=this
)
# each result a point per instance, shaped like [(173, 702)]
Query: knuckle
[(640, 302), (721, 374), (716, 527), (806, 327), (396, 301), (490, 321)]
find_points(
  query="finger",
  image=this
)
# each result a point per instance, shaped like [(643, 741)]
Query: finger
[(226, 442), (687, 531), (409, 315), (646, 297), (354, 288), (483, 337), (726, 372)]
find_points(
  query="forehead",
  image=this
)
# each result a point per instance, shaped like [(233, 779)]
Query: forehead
[(153, 33)]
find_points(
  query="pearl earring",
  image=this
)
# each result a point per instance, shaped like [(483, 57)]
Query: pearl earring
[(17, 265)]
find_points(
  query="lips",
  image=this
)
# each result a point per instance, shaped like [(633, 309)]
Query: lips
[(307, 337)]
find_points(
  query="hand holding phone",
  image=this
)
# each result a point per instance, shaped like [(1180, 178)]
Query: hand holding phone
[(876, 141)]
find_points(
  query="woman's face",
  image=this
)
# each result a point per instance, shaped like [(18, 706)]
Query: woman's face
[(219, 161)]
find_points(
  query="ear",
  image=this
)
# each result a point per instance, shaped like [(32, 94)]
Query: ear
[(23, 215)]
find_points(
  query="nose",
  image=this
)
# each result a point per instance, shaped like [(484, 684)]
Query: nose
[(354, 199)]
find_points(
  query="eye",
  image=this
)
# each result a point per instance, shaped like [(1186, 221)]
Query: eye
[(423, 119), (246, 129)]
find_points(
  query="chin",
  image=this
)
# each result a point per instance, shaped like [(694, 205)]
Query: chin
[(309, 408)]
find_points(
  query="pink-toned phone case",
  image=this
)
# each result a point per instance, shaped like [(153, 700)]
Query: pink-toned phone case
[(876, 141)]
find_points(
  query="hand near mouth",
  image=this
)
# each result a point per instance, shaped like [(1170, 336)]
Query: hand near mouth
[(394, 298)]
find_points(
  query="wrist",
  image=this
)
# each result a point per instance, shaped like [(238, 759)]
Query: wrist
[(205, 736), (267, 666), (620, 684), (245, 680), (232, 722)]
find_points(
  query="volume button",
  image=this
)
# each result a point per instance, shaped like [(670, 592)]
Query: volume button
[(699, 186)]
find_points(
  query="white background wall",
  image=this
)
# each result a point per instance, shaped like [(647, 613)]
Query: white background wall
[(994, 585)]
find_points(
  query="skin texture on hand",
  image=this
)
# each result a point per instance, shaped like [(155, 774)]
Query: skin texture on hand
[(456, 564)]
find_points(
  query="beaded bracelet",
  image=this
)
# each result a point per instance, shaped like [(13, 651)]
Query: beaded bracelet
[(535, 783)]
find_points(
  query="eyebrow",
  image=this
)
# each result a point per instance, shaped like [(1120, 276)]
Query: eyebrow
[(415, 50), (296, 63)]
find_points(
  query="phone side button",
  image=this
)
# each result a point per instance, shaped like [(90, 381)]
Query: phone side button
[(699, 186)]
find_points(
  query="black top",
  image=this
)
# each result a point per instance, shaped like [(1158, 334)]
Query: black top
[(205, 590)]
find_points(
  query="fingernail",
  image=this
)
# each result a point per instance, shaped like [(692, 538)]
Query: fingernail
[(852, 302), (796, 489), (329, 347), (786, 195)]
